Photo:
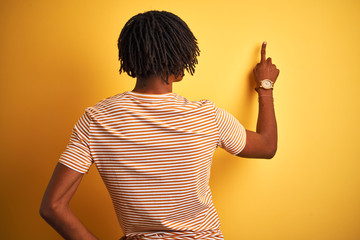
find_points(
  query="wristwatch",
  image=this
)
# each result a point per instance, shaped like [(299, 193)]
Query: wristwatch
[(266, 84)]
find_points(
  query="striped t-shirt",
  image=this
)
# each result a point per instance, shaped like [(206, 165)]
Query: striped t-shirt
[(154, 154)]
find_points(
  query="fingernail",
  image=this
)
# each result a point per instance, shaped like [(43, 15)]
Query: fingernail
[(265, 42)]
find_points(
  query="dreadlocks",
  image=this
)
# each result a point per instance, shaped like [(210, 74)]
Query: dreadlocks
[(157, 43)]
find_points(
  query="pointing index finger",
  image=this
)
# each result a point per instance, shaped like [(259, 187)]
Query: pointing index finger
[(263, 52)]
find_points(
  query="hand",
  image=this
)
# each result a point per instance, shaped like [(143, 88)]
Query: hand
[(265, 69)]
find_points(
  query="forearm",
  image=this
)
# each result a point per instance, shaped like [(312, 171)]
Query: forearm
[(263, 142), (66, 223), (266, 123)]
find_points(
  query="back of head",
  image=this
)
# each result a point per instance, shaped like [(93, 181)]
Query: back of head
[(157, 43)]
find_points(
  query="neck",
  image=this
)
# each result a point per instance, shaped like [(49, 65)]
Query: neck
[(154, 85)]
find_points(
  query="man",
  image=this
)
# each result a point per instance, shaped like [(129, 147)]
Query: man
[(152, 147)]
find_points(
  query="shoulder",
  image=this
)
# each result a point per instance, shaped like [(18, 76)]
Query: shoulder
[(105, 104), (110, 101), (199, 103)]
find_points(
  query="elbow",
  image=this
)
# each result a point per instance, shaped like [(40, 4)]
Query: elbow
[(271, 153), (47, 211), (270, 156)]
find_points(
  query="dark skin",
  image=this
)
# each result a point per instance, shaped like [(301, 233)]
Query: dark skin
[(155, 85), (263, 142), (64, 182), (55, 207)]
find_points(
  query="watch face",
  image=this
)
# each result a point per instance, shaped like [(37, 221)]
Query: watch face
[(266, 84)]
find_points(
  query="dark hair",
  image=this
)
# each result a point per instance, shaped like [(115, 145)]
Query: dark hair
[(157, 43)]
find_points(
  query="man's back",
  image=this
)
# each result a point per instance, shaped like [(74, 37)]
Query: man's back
[(154, 153)]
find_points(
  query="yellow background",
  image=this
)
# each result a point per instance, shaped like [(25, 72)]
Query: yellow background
[(59, 57)]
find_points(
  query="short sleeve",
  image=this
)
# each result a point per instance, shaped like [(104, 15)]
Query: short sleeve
[(232, 134), (77, 155)]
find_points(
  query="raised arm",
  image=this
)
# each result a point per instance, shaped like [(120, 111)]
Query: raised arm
[(263, 142), (55, 207)]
